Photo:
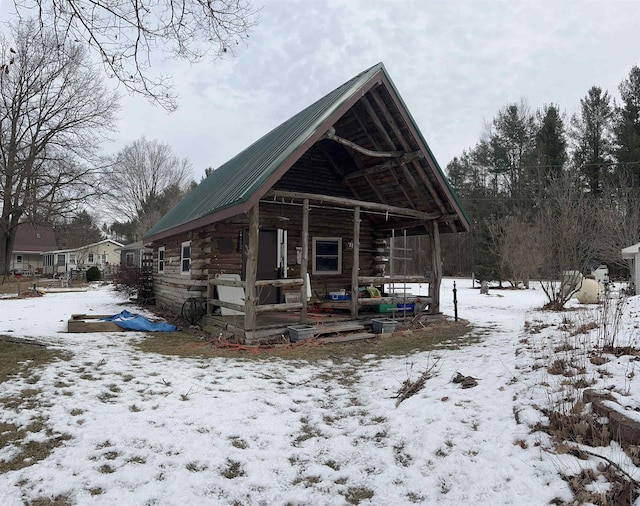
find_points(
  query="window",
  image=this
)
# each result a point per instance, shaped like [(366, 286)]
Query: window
[(161, 259), (61, 259), (90, 258), (72, 258), (327, 255), (48, 260), (19, 259), (185, 258), (129, 260)]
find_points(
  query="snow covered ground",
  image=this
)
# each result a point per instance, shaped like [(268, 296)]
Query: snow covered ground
[(151, 429)]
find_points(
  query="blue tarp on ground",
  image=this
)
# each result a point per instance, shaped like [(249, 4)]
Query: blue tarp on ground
[(130, 321)]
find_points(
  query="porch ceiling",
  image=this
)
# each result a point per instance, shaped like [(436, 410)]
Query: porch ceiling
[(388, 163)]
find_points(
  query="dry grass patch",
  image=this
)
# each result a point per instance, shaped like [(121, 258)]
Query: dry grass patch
[(27, 452), (438, 335), (20, 360)]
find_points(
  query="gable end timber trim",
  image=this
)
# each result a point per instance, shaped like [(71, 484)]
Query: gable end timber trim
[(357, 203)]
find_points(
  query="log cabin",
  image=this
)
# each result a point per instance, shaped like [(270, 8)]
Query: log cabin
[(302, 218)]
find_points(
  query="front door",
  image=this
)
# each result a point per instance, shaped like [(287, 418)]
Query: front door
[(267, 263)]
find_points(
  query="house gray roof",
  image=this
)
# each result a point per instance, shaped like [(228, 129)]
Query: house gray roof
[(235, 186)]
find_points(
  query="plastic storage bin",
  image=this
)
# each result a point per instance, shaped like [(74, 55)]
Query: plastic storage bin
[(383, 325)]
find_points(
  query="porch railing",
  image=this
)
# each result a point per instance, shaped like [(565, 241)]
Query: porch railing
[(297, 283), (260, 308)]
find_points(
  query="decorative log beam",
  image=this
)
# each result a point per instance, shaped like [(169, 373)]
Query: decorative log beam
[(405, 145), (361, 169), (383, 131), (251, 299), (355, 271), (227, 305), (226, 282), (265, 308), (436, 267), (304, 260), (356, 203), (387, 280), (336, 168), (403, 160), (331, 135), (280, 282), (405, 171)]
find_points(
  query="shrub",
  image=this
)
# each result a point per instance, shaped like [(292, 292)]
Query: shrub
[(93, 274)]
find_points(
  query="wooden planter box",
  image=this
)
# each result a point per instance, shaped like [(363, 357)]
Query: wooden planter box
[(91, 323)]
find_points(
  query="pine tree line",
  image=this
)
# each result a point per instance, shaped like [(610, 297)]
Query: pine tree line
[(546, 193)]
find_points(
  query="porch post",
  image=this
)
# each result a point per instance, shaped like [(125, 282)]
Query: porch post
[(304, 259), (251, 272), (436, 267), (355, 272)]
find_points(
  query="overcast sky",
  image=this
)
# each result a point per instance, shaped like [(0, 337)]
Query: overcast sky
[(455, 63)]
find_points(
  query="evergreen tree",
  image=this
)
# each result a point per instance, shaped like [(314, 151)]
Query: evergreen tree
[(627, 127), (550, 144), (592, 137), (511, 143), (79, 231)]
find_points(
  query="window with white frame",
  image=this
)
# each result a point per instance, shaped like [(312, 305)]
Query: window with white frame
[(90, 258), (161, 259), (185, 258), (327, 255), (62, 259)]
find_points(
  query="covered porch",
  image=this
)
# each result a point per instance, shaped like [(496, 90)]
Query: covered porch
[(302, 303)]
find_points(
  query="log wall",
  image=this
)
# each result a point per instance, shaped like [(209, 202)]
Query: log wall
[(215, 249)]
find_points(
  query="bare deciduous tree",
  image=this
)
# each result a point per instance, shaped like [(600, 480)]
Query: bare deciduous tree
[(567, 223), (618, 222), (55, 112), (146, 181), (517, 245), (125, 33)]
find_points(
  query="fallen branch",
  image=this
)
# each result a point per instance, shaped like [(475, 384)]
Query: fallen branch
[(617, 466), (410, 388)]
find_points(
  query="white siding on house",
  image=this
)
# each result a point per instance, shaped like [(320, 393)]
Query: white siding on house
[(632, 255)]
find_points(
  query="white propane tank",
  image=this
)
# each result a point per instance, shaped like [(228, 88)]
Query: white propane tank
[(589, 292)]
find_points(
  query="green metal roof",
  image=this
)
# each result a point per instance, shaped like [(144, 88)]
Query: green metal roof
[(233, 183), (227, 190)]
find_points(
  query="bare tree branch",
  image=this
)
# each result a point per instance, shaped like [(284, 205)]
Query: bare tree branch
[(56, 111), (125, 34)]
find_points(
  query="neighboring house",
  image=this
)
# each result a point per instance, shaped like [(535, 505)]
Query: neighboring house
[(632, 255), (306, 213), (31, 241), (100, 254), (131, 254)]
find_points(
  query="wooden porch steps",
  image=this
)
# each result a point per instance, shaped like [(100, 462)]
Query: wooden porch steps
[(342, 332), (337, 328), (356, 336)]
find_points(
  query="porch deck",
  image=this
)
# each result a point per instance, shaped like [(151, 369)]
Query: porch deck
[(328, 317)]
